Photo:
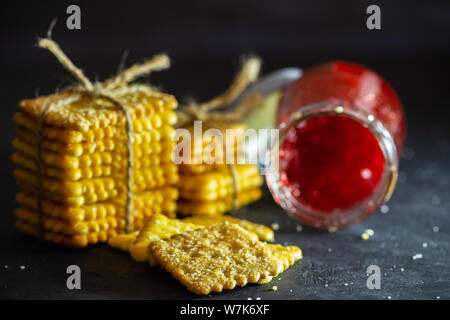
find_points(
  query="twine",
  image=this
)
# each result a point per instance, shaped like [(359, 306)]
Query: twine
[(110, 90), (233, 174), (208, 111)]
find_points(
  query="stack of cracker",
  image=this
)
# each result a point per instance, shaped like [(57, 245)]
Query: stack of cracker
[(209, 184), (83, 165)]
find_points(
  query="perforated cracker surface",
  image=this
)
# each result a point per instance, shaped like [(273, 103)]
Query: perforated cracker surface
[(215, 258)]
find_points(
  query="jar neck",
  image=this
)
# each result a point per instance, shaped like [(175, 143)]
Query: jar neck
[(340, 217)]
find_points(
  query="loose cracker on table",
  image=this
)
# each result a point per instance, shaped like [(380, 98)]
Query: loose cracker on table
[(264, 233), (215, 258), (157, 227), (123, 241), (160, 227)]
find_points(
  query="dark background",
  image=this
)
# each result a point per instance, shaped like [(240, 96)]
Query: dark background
[(205, 40)]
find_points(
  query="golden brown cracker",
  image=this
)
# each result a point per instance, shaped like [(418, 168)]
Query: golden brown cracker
[(287, 255), (77, 241), (264, 233), (215, 258), (158, 227), (218, 207), (123, 241)]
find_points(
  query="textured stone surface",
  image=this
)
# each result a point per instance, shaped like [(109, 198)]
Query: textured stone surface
[(333, 267)]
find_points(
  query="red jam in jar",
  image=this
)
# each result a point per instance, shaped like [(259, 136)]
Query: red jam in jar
[(341, 129)]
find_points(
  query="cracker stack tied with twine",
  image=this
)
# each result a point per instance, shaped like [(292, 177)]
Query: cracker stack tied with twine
[(208, 184), (95, 160)]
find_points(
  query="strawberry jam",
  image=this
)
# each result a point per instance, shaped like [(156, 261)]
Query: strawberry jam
[(331, 162), (335, 159)]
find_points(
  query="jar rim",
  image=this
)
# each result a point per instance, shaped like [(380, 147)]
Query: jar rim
[(339, 218)]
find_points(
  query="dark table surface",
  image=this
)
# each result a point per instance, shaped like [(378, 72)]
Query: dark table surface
[(411, 51), (333, 267)]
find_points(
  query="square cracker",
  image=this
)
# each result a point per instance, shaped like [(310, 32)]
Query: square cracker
[(161, 227), (215, 258), (287, 255), (158, 227), (264, 233)]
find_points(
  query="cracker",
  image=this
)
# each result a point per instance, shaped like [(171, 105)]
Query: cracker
[(287, 255), (158, 227), (218, 184), (264, 233), (216, 258), (218, 207), (123, 241), (77, 241)]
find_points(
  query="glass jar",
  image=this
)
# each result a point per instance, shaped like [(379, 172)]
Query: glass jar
[(342, 128)]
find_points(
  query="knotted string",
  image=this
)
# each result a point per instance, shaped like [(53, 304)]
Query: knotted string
[(111, 90), (210, 111)]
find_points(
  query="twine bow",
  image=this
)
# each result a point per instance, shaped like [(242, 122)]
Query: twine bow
[(209, 111), (112, 90)]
